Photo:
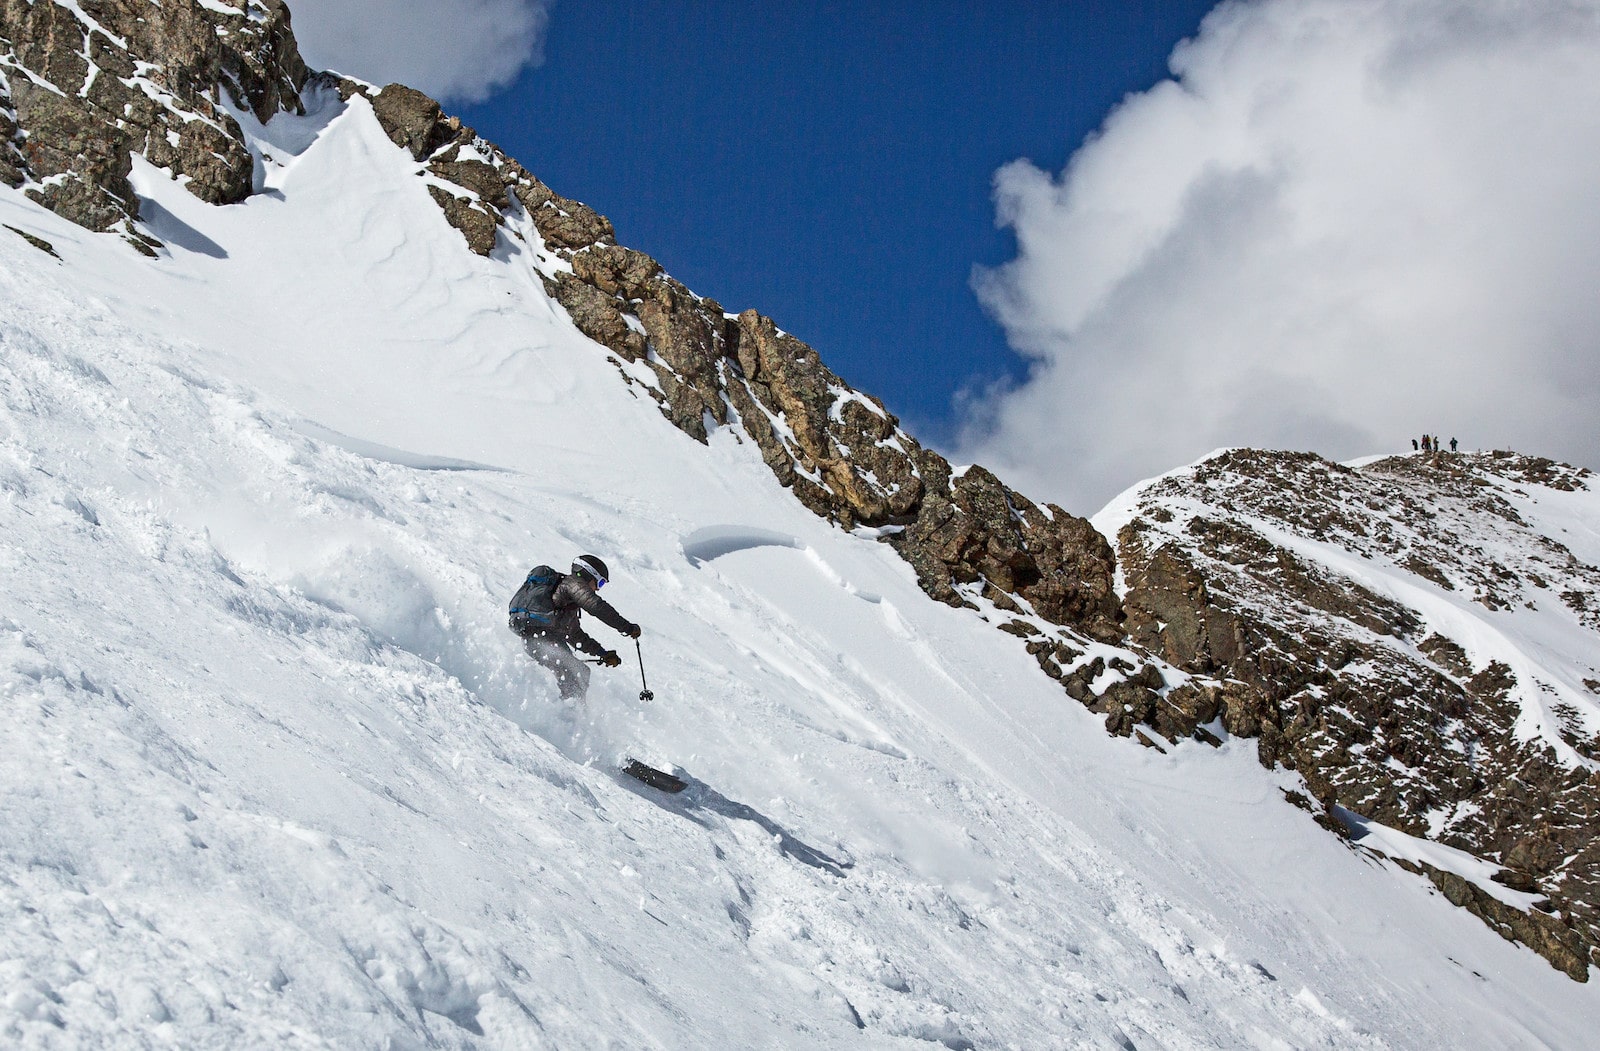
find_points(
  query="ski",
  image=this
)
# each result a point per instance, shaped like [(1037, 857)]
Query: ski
[(657, 779)]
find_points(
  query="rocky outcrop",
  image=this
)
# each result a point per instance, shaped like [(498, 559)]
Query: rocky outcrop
[(411, 119), (93, 85), (88, 86), (11, 162), (967, 535), (1232, 572), (1544, 934), (38, 242), (970, 538), (473, 182)]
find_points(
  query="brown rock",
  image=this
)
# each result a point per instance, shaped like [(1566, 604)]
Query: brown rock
[(482, 179), (476, 225), (1377, 714), (1079, 683), (109, 58), (11, 170), (1169, 609), (48, 40), (616, 271), (1543, 934), (347, 88), (79, 142), (219, 168), (1246, 710), (564, 224), (1538, 853), (1187, 707), (688, 340), (793, 374), (271, 74), (411, 119), (38, 242), (92, 159), (1126, 705), (597, 316)]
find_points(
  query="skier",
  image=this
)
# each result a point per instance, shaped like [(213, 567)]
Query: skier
[(1452, 445), (545, 613)]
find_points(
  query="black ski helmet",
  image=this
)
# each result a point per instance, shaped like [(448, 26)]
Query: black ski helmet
[(591, 566)]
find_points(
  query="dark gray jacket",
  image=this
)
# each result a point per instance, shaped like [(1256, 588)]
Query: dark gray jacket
[(573, 597)]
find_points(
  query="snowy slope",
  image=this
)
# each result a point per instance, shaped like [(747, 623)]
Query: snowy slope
[(276, 774)]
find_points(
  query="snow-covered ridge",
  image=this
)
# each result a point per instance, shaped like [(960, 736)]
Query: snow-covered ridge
[(1416, 638)]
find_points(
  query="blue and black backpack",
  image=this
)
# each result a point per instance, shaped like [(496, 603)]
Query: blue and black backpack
[(533, 606)]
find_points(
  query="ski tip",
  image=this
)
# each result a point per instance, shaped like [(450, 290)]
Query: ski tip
[(657, 779)]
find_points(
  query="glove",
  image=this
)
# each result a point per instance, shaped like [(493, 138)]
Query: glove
[(632, 631), (610, 659)]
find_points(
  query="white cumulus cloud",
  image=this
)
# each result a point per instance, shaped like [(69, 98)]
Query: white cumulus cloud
[(1343, 223), (452, 49)]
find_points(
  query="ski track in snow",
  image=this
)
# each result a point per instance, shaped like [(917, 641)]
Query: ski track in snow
[(275, 773)]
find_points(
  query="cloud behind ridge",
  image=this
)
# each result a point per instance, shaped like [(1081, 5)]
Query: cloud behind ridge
[(452, 49), (1341, 224)]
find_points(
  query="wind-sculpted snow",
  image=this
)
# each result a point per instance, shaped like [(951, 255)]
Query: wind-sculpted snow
[(713, 542)]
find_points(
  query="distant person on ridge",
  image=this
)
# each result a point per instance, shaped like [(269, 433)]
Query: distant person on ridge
[(1413, 445), (1427, 444), (545, 612), (1452, 445)]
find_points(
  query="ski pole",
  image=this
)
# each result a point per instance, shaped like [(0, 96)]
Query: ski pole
[(645, 694)]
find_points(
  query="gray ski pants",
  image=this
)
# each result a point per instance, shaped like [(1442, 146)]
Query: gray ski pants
[(572, 675)]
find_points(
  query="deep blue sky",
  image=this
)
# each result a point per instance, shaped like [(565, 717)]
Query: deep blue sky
[(829, 164)]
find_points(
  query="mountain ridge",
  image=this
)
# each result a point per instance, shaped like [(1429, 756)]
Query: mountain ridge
[(1333, 597)]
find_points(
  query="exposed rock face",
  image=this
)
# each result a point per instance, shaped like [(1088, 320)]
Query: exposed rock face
[(1233, 573), (411, 119), (38, 242), (11, 162), (842, 454), (85, 89)]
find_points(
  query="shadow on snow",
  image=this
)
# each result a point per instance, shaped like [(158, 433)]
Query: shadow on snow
[(699, 800)]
